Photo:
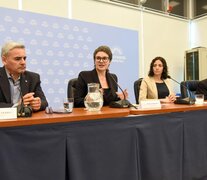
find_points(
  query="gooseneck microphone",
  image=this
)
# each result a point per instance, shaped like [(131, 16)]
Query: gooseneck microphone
[(123, 103), (187, 100), (22, 110)]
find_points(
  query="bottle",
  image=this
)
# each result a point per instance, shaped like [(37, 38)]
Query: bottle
[(94, 99)]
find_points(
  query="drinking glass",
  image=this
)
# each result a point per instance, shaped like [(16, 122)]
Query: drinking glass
[(199, 98), (68, 104)]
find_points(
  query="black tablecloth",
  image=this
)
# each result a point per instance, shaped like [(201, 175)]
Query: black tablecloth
[(169, 146)]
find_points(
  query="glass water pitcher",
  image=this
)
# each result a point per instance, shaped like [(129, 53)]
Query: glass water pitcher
[(94, 99)]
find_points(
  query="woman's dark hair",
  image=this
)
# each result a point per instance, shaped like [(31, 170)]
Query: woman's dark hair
[(165, 68), (105, 49)]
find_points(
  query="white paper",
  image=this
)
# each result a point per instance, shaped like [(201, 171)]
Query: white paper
[(8, 113), (150, 104)]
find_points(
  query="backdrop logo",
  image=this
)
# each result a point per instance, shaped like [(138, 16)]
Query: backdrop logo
[(118, 55)]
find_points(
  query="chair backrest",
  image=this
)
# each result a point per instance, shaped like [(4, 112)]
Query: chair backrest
[(137, 84), (72, 87), (188, 88)]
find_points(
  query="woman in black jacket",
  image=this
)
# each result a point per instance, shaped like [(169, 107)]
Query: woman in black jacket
[(100, 74)]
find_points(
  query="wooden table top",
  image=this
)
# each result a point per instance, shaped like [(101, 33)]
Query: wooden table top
[(78, 114), (169, 107)]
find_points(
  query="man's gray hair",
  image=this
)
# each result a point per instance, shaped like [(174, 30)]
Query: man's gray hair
[(9, 46)]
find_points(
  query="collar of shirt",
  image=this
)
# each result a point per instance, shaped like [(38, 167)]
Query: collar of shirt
[(11, 78)]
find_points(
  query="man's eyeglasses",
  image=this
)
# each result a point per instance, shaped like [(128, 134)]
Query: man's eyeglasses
[(104, 59)]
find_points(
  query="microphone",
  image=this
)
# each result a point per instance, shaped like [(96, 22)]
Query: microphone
[(123, 103), (187, 100), (22, 110)]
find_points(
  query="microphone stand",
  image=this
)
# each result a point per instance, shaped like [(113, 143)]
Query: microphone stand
[(123, 103), (188, 100), (22, 110)]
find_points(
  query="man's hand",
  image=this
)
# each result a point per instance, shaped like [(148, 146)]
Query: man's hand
[(34, 102), (27, 98)]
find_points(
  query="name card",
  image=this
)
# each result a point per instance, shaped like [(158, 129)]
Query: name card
[(150, 104), (8, 113)]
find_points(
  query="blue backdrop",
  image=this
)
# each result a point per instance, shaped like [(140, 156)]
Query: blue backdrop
[(59, 48)]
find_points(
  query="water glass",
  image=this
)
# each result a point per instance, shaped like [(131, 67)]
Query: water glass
[(199, 98), (68, 104)]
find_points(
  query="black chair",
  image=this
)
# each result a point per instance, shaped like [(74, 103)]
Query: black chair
[(188, 88), (137, 84), (72, 87)]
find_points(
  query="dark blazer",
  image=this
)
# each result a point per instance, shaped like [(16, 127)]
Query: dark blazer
[(86, 77), (202, 88), (29, 82)]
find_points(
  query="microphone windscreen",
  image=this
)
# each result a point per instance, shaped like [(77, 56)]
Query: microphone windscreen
[(24, 111), (119, 104), (187, 100)]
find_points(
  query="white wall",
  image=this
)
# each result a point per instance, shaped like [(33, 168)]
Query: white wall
[(199, 32)]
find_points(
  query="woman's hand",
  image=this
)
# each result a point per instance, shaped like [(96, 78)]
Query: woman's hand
[(172, 97), (123, 96), (169, 99)]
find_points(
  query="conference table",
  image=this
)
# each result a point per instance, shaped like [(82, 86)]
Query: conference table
[(114, 144)]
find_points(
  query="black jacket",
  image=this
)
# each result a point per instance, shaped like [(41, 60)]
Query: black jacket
[(202, 88), (29, 82), (86, 77)]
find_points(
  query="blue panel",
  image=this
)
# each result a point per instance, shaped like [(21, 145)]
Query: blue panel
[(59, 48)]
